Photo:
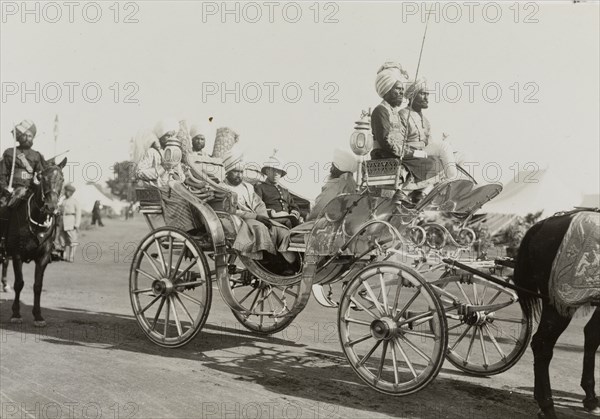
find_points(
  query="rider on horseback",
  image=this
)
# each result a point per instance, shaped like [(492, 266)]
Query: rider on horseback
[(17, 177)]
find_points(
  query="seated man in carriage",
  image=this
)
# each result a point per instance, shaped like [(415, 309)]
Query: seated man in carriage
[(396, 132), (257, 233), (278, 200), (157, 168)]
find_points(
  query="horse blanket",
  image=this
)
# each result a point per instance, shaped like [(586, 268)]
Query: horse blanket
[(575, 277)]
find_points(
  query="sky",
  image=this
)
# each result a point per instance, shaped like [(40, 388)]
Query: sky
[(515, 85)]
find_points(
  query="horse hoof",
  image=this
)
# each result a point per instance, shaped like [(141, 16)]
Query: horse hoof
[(594, 412), (39, 323), (16, 320)]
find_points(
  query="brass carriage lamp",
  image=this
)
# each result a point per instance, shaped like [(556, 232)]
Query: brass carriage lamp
[(172, 154), (361, 140)]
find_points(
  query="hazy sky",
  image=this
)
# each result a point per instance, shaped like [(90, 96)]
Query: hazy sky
[(513, 84)]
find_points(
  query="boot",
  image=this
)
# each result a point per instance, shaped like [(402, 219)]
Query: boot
[(66, 253), (400, 199)]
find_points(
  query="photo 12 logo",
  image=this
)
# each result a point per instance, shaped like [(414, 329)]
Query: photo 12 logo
[(69, 92), (69, 12), (470, 11), (269, 92), (269, 12)]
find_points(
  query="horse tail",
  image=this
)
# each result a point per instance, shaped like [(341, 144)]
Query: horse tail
[(524, 276)]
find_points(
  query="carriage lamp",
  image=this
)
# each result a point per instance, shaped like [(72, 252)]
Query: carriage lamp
[(172, 153), (361, 140)]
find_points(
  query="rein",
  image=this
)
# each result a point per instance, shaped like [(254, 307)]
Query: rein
[(46, 227)]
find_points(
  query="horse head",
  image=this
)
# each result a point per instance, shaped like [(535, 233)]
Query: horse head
[(51, 183)]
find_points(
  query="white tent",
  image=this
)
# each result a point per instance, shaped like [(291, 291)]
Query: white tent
[(547, 190), (88, 193)]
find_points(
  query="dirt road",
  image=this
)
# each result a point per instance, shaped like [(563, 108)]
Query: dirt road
[(93, 361)]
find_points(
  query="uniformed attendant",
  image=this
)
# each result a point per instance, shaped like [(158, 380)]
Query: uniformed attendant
[(28, 164), (198, 139), (278, 200), (71, 216)]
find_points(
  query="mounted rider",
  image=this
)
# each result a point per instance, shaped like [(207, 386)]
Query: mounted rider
[(16, 179), (28, 164)]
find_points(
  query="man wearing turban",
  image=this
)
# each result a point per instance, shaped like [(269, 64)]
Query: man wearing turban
[(419, 129), (156, 169), (389, 130), (255, 232), (340, 181), (198, 136), (28, 164), (150, 168)]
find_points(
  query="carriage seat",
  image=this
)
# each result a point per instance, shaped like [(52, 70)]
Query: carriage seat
[(150, 201), (298, 236), (392, 174)]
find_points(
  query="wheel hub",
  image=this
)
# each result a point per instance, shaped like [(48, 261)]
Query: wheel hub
[(162, 286), (384, 328), (479, 318)]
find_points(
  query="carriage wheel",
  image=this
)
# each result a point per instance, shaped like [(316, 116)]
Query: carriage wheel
[(483, 342), (170, 287), (392, 328), (267, 304)]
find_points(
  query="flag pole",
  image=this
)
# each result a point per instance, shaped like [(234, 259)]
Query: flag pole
[(55, 133)]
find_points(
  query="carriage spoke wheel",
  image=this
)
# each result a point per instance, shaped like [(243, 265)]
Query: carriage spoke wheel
[(267, 304), (483, 342), (170, 287), (392, 328)]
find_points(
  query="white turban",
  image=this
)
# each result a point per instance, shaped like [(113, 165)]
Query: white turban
[(233, 159), (344, 161), (415, 87), (166, 125), (198, 129), (387, 76), (25, 126)]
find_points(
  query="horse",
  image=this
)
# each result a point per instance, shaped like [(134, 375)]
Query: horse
[(30, 235), (559, 255)]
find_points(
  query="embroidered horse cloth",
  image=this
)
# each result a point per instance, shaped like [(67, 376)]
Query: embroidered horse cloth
[(575, 277)]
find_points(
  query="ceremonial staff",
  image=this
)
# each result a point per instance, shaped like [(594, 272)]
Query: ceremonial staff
[(12, 169)]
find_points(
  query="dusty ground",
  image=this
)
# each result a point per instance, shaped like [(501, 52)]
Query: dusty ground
[(93, 361)]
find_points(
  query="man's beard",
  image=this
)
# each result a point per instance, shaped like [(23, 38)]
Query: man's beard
[(234, 181), (25, 145)]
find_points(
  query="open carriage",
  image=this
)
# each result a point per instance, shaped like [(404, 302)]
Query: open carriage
[(411, 294)]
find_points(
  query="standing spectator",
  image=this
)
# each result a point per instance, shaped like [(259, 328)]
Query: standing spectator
[(97, 214), (71, 213)]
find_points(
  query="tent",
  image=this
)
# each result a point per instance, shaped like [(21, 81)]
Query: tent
[(528, 192), (88, 193)]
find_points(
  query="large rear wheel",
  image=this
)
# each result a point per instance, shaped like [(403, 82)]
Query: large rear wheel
[(170, 287), (392, 328)]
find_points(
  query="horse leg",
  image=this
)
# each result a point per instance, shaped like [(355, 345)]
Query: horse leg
[(551, 326), (18, 286), (40, 267), (5, 286), (592, 342)]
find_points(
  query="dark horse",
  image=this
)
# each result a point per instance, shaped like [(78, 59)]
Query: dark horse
[(533, 271), (30, 235)]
